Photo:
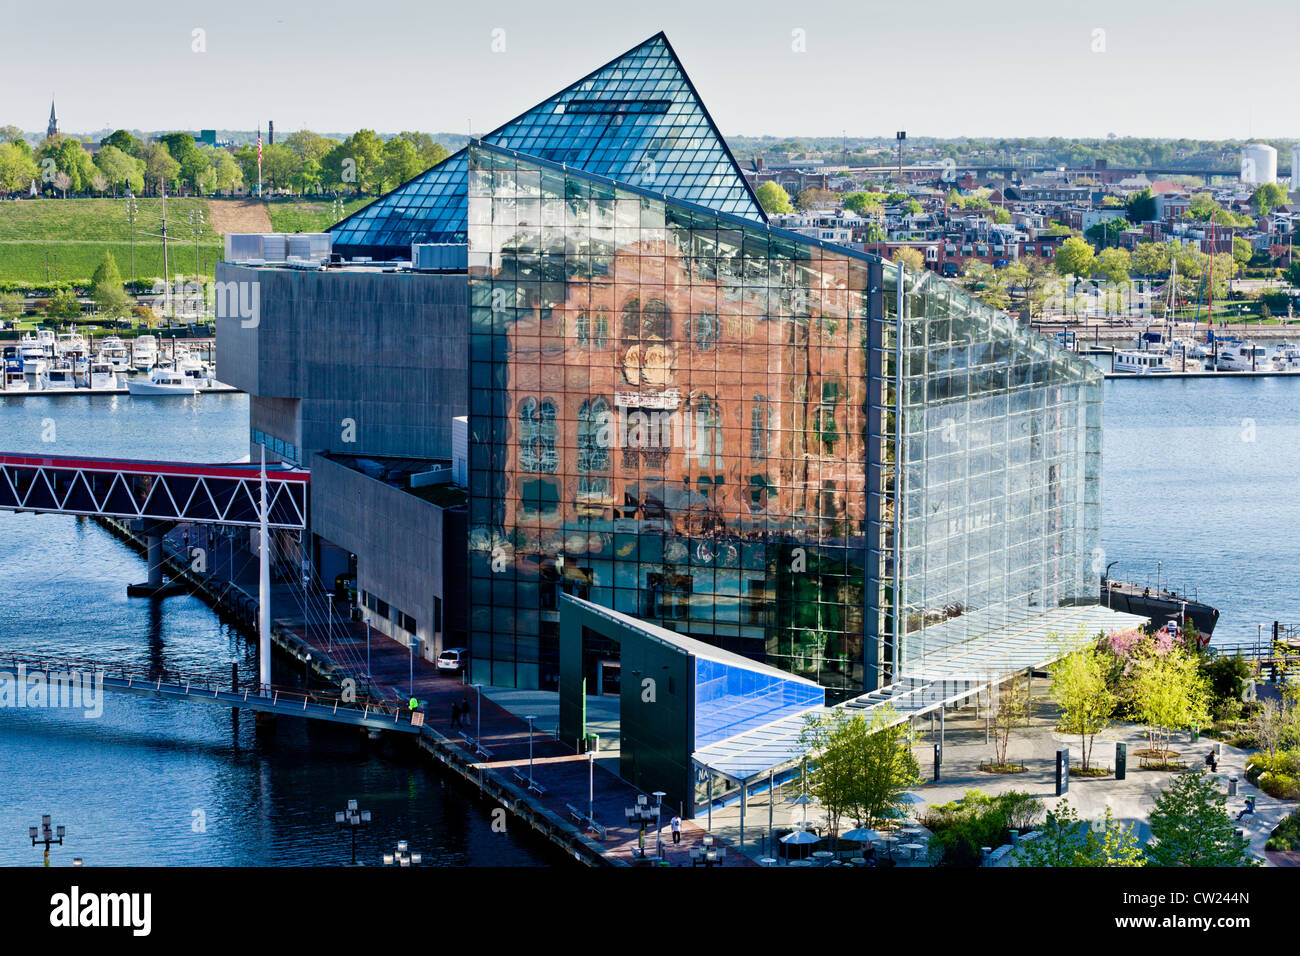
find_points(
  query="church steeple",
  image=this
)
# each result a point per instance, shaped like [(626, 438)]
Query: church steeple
[(54, 121)]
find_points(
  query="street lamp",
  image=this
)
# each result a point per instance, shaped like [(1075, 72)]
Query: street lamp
[(47, 835), (306, 672), (403, 856), (530, 718), (659, 825), (591, 786), (351, 820), (478, 716), (367, 657), (329, 624), (640, 816)]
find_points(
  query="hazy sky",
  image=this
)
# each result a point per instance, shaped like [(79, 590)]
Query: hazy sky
[(1200, 68)]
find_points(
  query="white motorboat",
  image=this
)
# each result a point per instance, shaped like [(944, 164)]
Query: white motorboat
[(113, 351), (192, 367), (1242, 357), (163, 381), (1145, 362), (102, 374), (1286, 359), (58, 375), (145, 352), (32, 355), (15, 378)]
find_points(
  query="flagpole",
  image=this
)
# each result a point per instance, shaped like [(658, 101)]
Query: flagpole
[(259, 160)]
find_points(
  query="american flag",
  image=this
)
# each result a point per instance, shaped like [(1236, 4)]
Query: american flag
[(259, 146)]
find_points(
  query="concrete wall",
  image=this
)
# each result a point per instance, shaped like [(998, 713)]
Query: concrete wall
[(400, 542), (385, 352)]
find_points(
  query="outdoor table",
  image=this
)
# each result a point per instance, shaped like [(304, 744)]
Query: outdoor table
[(768, 861), (859, 861), (911, 831), (823, 855), (801, 862), (913, 849)]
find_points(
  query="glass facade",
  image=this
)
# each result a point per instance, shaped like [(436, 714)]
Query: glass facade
[(1000, 458), (731, 699), (636, 119)]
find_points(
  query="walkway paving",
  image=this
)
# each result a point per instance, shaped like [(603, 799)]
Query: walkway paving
[(563, 772)]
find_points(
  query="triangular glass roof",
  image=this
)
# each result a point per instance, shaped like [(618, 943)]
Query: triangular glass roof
[(637, 120)]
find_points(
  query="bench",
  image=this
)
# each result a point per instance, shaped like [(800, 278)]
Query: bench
[(580, 817), (532, 785)]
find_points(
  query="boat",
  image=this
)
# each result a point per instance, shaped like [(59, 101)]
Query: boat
[(163, 381), (1145, 362), (144, 352), (15, 377), (32, 355), (1286, 359), (1238, 356), (113, 350), (1160, 605), (102, 374), (192, 367), (58, 375)]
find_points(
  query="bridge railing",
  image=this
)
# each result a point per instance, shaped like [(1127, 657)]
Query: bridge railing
[(192, 683)]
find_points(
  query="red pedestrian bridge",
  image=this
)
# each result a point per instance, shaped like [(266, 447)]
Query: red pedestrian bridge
[(154, 490)]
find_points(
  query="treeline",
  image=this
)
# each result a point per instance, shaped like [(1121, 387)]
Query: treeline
[(303, 163)]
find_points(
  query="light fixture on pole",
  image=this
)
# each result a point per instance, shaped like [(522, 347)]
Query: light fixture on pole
[(47, 834), (403, 856), (478, 716), (659, 825), (530, 718), (351, 820), (640, 816), (367, 657)]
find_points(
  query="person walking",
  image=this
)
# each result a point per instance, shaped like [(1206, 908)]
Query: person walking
[(455, 716), (464, 712), (676, 825)]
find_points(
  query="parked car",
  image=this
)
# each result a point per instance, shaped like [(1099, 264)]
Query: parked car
[(452, 659)]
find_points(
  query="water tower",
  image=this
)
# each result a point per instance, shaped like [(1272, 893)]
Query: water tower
[(1258, 164)]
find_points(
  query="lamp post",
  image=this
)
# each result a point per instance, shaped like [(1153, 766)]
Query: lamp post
[(640, 816), (530, 718), (351, 820), (306, 672), (47, 835), (410, 647), (329, 624), (659, 824), (591, 785), (478, 715), (403, 856), (367, 657)]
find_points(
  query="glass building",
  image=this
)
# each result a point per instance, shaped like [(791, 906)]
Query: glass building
[(689, 417), (636, 119)]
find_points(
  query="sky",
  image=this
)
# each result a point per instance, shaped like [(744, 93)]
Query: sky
[(1198, 68)]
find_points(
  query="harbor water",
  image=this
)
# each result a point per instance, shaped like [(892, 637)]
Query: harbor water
[(158, 783), (1202, 475)]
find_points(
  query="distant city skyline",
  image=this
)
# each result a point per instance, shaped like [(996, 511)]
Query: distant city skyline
[(820, 68)]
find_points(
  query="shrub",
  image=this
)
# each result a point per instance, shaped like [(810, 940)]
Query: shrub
[(962, 827), (1279, 776), (1287, 834)]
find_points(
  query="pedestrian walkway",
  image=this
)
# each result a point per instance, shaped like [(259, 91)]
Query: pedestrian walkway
[(563, 773)]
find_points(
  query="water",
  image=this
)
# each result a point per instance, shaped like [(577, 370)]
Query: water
[(1199, 474), (152, 782), (1203, 475)]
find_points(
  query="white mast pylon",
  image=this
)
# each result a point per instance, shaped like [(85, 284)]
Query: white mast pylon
[(263, 594)]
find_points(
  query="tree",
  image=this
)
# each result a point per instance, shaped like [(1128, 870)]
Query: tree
[(1141, 207), (1113, 264), (811, 198), (193, 165), (226, 174), (1166, 691), (1012, 714), (121, 170), (11, 134), (17, 168), (124, 141), (1191, 827), (773, 198), (1151, 259), (1075, 258), (429, 153), (63, 305), (106, 288), (1067, 841), (862, 202), (1267, 197), (400, 162), (11, 305), (912, 258), (355, 162), (859, 768), (159, 166), (1242, 251), (1080, 687), (1106, 233)]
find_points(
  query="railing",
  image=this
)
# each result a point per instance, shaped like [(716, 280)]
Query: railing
[(280, 697)]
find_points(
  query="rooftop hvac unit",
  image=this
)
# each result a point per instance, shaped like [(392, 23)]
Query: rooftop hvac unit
[(274, 248), (439, 256)]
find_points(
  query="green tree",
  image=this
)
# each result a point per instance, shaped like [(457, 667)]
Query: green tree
[(1166, 691), (862, 202), (106, 288), (773, 198), (121, 170), (1075, 258), (1141, 207), (1080, 687), (1012, 714), (1267, 197), (1242, 251), (912, 258), (1190, 826), (355, 163), (63, 305), (1151, 259), (159, 167), (123, 140), (430, 153), (185, 151), (1114, 264), (11, 305), (17, 168), (812, 197), (1067, 841), (400, 162), (859, 768), (1106, 233)]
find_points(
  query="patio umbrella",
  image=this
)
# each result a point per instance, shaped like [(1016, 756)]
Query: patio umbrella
[(801, 837), (862, 835)]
